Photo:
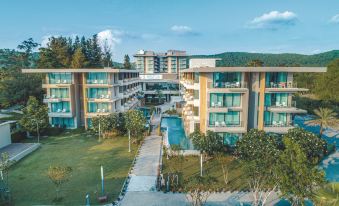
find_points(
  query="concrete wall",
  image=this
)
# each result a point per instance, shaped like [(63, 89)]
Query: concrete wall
[(5, 134)]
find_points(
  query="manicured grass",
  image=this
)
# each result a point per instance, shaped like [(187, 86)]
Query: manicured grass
[(190, 167), (30, 185), (13, 116)]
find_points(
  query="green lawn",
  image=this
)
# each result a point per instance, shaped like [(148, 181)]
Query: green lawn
[(28, 178), (190, 167)]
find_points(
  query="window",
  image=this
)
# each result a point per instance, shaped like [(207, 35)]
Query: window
[(97, 107), (63, 122), (227, 119), (226, 79), (225, 99), (276, 99), (59, 93), (60, 107), (276, 119), (97, 92), (97, 78), (196, 94), (274, 79), (60, 78), (196, 77), (196, 111)]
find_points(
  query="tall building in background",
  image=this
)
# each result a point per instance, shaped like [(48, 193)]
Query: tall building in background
[(232, 100), (75, 96), (159, 72)]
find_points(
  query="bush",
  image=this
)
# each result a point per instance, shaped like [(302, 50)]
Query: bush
[(18, 136), (53, 131)]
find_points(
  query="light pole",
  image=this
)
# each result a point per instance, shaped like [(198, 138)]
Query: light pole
[(102, 180), (129, 141)]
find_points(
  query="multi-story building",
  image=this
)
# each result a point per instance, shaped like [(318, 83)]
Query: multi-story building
[(232, 100), (74, 96), (160, 72)]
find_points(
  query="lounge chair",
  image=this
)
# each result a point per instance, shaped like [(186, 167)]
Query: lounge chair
[(217, 124), (223, 124)]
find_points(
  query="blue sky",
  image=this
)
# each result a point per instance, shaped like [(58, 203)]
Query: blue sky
[(199, 27)]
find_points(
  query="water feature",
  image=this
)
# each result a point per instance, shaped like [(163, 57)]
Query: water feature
[(176, 132)]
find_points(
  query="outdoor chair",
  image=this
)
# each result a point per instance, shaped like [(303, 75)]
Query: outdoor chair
[(217, 124)]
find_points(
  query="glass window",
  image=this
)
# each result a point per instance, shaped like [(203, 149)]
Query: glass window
[(97, 78), (97, 92), (229, 138), (60, 107), (97, 107), (59, 93), (60, 78), (63, 122), (226, 79)]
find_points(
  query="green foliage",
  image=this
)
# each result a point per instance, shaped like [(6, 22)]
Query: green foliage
[(298, 179), (135, 122), (328, 195), (327, 86), (26, 56), (79, 59), (312, 145), (325, 118), (243, 58), (255, 63), (59, 175), (114, 122), (57, 54), (35, 117), (127, 63), (211, 143)]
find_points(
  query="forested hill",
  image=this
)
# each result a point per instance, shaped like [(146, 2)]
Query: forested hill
[(288, 59)]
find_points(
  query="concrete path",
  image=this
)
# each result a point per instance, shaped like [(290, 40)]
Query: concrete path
[(17, 151)]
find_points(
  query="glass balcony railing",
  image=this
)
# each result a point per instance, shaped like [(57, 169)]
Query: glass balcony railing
[(227, 85), (279, 104), (281, 85), (279, 124), (225, 123)]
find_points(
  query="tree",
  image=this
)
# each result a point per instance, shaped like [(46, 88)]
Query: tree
[(107, 55), (26, 56), (78, 59), (298, 179), (102, 124), (209, 144), (312, 145), (325, 118), (259, 153), (127, 63), (328, 195), (59, 175), (255, 63), (56, 54), (35, 116), (135, 122), (197, 189), (327, 86), (94, 52), (5, 163), (159, 95)]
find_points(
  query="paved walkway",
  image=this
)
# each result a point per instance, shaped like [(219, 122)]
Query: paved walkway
[(17, 151)]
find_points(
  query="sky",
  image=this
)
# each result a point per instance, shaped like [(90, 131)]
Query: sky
[(196, 26)]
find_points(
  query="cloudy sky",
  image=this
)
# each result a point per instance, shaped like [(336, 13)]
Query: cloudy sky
[(197, 26)]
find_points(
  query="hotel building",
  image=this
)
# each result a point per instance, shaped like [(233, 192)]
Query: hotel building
[(232, 100), (74, 96), (160, 71)]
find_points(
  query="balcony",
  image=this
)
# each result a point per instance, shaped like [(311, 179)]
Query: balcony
[(279, 127), (283, 107), (99, 83), (222, 126), (60, 113), (240, 87), (100, 98), (54, 99), (188, 84), (98, 112), (283, 87), (56, 83)]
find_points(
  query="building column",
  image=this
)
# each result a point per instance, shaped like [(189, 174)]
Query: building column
[(261, 101)]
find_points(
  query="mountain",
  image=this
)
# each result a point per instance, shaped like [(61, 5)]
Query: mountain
[(286, 59)]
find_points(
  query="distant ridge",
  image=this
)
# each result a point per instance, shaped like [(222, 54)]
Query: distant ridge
[(285, 59)]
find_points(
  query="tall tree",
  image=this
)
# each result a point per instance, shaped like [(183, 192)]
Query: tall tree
[(324, 117), (56, 54), (79, 59), (255, 63), (298, 180), (27, 48), (107, 55), (35, 117), (135, 122), (127, 63), (327, 86), (95, 53)]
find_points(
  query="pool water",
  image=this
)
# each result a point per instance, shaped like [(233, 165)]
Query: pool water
[(176, 132), (331, 163)]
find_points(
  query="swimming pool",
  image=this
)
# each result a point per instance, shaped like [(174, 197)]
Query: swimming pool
[(176, 132)]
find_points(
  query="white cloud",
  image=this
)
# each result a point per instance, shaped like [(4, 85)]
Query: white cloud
[(110, 37), (273, 20), (183, 30), (335, 19)]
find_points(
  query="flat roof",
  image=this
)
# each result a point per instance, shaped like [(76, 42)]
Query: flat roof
[(254, 69), (84, 70)]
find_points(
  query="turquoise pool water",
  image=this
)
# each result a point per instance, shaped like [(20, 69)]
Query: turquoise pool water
[(176, 133)]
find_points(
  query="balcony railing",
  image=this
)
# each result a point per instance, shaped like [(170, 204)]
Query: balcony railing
[(284, 104), (103, 96), (279, 124), (227, 85), (64, 110), (57, 81), (224, 123), (99, 111), (282, 85)]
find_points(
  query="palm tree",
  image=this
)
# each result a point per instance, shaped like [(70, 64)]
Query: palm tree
[(324, 118)]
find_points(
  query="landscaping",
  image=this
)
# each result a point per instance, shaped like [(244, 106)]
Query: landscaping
[(189, 167), (84, 154)]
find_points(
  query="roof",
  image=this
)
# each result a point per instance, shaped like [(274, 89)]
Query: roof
[(83, 70), (255, 69)]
